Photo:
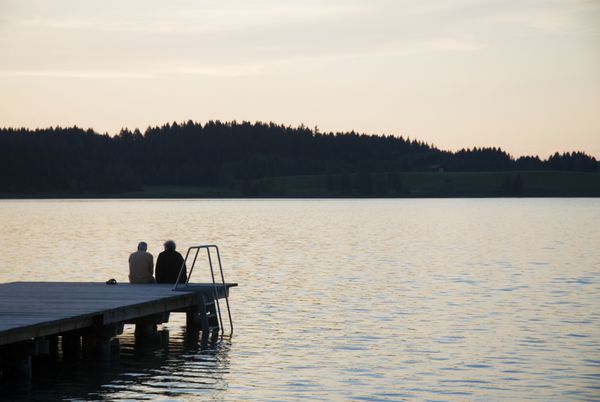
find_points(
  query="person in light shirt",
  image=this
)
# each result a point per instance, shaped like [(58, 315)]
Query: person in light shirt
[(141, 265)]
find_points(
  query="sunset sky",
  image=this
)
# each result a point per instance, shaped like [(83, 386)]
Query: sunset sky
[(523, 75)]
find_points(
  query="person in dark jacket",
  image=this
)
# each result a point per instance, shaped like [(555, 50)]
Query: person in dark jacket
[(169, 264)]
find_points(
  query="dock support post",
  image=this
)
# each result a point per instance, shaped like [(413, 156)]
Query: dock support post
[(205, 325), (96, 341), (18, 368), (192, 318), (97, 346), (15, 361), (145, 327), (145, 331), (45, 355), (71, 345), (88, 345), (53, 345), (115, 346)]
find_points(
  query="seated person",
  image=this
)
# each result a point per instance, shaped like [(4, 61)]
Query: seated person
[(141, 264), (168, 265)]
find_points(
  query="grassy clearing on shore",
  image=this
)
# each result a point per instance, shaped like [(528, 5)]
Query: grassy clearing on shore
[(435, 184), (182, 192)]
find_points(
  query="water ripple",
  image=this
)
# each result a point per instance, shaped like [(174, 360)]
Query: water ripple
[(373, 300)]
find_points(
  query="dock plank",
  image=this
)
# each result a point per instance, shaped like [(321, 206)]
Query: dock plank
[(34, 309)]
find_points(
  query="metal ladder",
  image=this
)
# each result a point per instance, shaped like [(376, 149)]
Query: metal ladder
[(207, 303)]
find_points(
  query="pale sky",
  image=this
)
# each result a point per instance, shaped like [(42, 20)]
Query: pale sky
[(523, 75)]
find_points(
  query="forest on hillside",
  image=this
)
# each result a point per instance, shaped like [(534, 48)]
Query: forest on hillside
[(234, 155)]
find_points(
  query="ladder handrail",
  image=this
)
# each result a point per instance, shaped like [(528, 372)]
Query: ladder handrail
[(212, 274), (208, 248), (226, 291)]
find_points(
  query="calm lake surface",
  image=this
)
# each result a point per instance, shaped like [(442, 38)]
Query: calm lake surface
[(451, 299)]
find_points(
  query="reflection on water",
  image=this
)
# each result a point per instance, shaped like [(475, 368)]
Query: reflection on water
[(174, 366), (348, 299)]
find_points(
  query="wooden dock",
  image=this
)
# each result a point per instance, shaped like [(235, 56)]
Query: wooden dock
[(33, 315)]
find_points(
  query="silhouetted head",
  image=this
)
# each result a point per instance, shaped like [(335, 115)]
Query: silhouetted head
[(169, 245), (142, 246)]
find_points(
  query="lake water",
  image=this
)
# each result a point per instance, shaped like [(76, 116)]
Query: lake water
[(450, 299)]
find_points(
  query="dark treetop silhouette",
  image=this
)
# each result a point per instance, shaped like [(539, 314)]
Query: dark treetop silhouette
[(250, 158)]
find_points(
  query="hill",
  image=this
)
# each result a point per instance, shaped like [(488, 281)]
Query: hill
[(265, 159)]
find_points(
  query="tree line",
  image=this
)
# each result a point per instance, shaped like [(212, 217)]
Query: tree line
[(230, 154)]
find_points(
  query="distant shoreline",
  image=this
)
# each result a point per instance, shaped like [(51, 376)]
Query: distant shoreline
[(266, 160), (507, 184), (66, 198)]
